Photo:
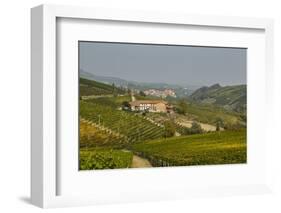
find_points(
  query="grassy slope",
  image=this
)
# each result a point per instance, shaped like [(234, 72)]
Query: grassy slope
[(90, 87), (113, 102), (230, 97), (204, 149), (210, 114)]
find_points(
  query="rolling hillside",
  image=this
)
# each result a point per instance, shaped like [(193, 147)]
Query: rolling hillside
[(103, 79), (113, 137), (230, 97), (181, 90), (91, 87)]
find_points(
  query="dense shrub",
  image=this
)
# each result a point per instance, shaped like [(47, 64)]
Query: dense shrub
[(169, 129)]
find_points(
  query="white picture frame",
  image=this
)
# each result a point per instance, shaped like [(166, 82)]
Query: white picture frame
[(44, 154)]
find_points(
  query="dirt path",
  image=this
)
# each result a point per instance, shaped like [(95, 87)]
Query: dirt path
[(139, 162), (204, 126), (208, 127)]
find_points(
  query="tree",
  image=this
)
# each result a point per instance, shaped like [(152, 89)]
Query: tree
[(114, 90), (196, 128), (219, 124), (125, 104), (182, 107), (170, 129), (141, 93)]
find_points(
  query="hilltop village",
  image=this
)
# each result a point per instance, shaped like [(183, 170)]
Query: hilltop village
[(160, 93)]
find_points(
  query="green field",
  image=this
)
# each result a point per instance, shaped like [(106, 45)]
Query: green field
[(228, 147)]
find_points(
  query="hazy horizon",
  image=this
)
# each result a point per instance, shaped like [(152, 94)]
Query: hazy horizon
[(180, 65)]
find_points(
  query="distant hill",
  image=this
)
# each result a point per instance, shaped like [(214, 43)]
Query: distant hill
[(90, 87), (230, 97), (104, 79), (181, 90)]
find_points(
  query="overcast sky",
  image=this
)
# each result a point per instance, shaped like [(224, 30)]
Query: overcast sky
[(185, 65)]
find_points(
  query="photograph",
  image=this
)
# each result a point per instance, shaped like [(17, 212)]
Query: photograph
[(161, 105)]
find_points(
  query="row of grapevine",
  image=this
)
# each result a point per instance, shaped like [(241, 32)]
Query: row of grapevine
[(91, 136), (104, 159), (133, 126), (161, 118)]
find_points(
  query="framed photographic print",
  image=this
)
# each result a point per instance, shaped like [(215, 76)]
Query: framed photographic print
[(152, 105), (149, 106)]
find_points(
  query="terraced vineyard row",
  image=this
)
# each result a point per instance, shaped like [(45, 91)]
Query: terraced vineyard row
[(92, 136), (228, 147), (133, 126), (181, 129), (161, 118)]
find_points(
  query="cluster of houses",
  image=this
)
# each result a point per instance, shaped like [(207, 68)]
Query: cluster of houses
[(160, 93), (151, 106)]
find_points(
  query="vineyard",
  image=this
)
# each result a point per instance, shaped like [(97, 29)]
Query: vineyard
[(226, 147), (104, 158), (131, 125), (112, 136), (161, 118), (92, 136)]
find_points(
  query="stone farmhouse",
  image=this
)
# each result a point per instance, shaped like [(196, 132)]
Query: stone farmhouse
[(151, 106)]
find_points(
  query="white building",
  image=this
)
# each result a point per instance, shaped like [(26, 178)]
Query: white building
[(150, 105)]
